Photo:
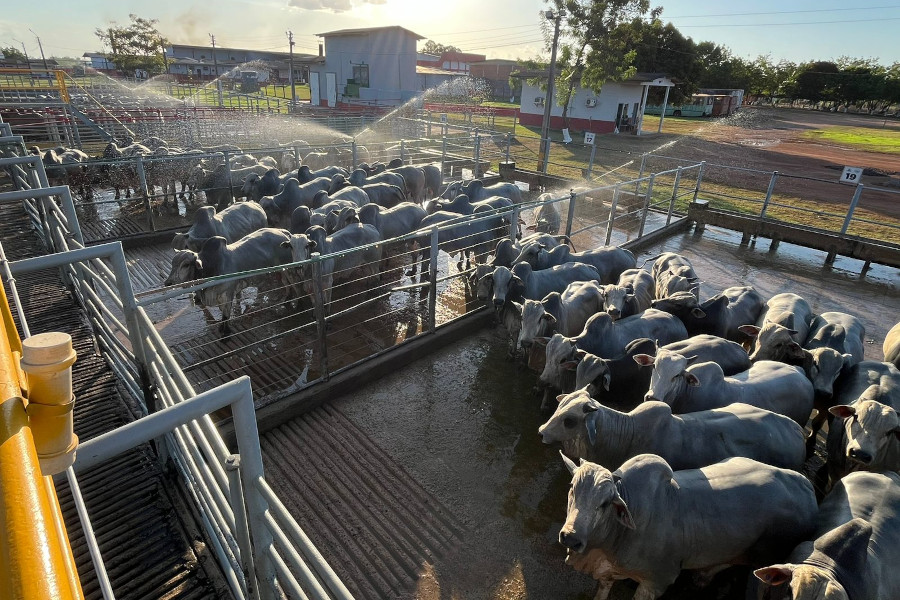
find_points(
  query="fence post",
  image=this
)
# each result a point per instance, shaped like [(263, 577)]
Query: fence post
[(130, 308), (508, 143), (242, 533), (432, 279), (145, 190), (590, 168), (476, 172), (247, 437), (674, 195), (612, 214), (856, 195), (647, 199), (319, 309), (699, 179), (571, 215), (637, 183), (296, 155), (762, 213), (444, 155), (429, 125), (514, 223), (228, 175)]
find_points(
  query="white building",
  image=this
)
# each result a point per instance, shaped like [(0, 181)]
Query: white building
[(589, 111)]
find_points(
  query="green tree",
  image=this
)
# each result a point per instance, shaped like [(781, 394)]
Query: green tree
[(432, 47), (138, 45), (813, 81), (13, 55), (595, 49), (661, 48)]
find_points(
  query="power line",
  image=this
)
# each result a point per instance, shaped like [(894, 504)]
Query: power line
[(783, 12), (480, 30), (842, 21)]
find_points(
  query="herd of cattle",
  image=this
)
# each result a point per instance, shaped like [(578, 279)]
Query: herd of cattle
[(333, 210), (686, 417), (682, 423)]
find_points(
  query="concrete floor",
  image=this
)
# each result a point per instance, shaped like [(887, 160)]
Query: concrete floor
[(463, 422)]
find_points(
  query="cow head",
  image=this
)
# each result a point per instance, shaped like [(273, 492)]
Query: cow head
[(615, 299), (845, 546), (871, 427), (560, 354), (300, 219), (339, 182), (536, 322), (180, 241), (825, 364), (596, 509), (773, 342), (186, 266), (250, 185), (301, 247), (529, 254), (680, 303), (570, 419), (592, 374), (451, 190), (670, 376), (502, 278)]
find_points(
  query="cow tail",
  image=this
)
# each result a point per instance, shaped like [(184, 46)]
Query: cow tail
[(567, 240), (651, 259)]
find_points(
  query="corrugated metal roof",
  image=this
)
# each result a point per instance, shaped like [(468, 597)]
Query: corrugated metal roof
[(422, 70)]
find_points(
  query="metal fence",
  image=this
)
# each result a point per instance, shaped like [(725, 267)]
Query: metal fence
[(286, 336), (233, 501)]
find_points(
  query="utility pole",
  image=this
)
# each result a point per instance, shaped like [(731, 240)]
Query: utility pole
[(24, 51), (41, 49), (290, 35), (216, 67), (544, 153)]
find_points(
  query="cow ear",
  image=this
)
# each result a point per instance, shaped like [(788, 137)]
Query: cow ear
[(775, 575), (590, 406), (691, 359), (691, 379), (517, 307), (580, 354), (751, 330), (541, 341), (606, 381), (843, 411), (568, 462), (560, 398), (793, 331), (285, 244), (622, 512), (517, 280), (569, 365), (311, 245), (548, 317), (590, 424), (645, 360), (198, 263), (698, 313)]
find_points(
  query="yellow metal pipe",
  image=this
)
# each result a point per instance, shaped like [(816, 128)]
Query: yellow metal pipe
[(35, 561)]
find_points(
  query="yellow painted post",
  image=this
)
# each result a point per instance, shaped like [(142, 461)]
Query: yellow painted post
[(61, 83), (35, 558)]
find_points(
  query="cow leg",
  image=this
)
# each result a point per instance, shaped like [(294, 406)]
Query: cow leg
[(604, 587), (813, 435), (650, 590)]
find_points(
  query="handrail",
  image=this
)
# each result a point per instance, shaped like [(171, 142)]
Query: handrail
[(35, 561)]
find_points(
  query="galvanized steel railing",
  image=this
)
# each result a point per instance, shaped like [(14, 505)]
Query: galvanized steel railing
[(133, 348)]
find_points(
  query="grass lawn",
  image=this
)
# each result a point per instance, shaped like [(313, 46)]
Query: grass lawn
[(860, 138)]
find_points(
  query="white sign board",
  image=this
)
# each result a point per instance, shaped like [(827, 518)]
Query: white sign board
[(588, 138), (467, 174), (851, 175), (443, 117), (523, 185)]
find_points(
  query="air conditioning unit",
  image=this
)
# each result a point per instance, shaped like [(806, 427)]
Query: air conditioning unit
[(539, 101), (590, 102)]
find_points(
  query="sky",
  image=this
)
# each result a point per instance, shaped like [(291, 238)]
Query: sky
[(797, 31)]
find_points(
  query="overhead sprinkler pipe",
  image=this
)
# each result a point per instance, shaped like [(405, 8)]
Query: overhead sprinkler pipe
[(47, 360)]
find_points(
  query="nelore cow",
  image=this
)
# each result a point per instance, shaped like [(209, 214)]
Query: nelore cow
[(608, 339), (610, 261), (522, 283), (260, 249), (630, 295), (565, 312), (646, 522), (280, 207), (476, 190), (784, 325), (608, 437), (767, 384), (855, 548), (233, 223), (622, 381), (891, 346)]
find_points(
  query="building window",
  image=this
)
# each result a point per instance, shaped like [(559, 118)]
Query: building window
[(361, 75)]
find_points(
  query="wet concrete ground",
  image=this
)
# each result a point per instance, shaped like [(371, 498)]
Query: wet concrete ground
[(463, 422)]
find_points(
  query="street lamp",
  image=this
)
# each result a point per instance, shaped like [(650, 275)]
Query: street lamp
[(548, 101)]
